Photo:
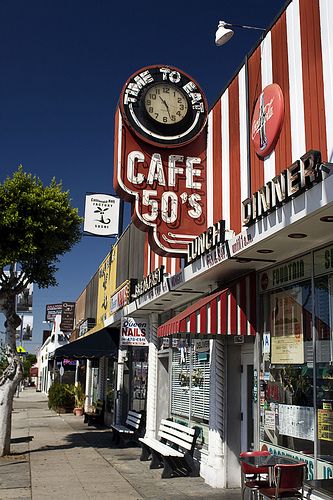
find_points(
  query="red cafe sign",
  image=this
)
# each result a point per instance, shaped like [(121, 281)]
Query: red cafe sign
[(160, 154), (267, 120)]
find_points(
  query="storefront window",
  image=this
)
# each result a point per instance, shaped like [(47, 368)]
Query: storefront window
[(296, 381), (190, 384), (324, 367), (139, 359), (286, 378)]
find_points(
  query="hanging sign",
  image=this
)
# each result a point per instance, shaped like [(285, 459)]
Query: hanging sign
[(101, 215), (160, 154), (67, 316), (52, 310), (133, 332)]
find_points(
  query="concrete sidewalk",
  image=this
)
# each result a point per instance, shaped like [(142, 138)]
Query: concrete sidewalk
[(58, 456)]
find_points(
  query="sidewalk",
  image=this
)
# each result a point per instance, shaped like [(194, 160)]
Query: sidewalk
[(60, 457)]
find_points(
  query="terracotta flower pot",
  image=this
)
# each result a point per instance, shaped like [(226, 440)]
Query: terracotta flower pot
[(78, 412)]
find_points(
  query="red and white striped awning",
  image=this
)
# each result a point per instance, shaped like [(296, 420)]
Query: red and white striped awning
[(231, 311)]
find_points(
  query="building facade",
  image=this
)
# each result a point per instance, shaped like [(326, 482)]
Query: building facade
[(240, 335)]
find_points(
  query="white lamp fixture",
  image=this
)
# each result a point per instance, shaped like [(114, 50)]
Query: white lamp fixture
[(224, 31)]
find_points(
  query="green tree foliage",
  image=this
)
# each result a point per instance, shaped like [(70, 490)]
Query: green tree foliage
[(37, 225)]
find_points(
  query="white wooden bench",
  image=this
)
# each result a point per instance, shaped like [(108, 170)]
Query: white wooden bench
[(124, 433), (174, 451)]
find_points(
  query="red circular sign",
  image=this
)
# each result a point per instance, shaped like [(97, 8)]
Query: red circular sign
[(267, 120)]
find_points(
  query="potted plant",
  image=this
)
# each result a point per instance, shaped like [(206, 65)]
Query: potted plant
[(80, 396), (61, 398)]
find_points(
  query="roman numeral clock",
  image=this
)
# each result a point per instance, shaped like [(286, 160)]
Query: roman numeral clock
[(164, 106)]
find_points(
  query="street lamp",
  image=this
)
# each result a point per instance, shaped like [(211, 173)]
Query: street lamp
[(224, 31)]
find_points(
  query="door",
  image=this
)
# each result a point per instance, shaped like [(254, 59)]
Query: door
[(247, 404)]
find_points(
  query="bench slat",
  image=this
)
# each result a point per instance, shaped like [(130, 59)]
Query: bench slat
[(164, 449), (135, 426), (121, 428), (179, 434), (134, 414), (180, 427), (133, 418), (175, 440), (135, 421)]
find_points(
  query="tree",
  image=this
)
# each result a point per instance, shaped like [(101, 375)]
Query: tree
[(28, 361), (37, 225)]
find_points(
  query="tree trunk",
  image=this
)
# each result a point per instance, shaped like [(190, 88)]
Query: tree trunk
[(11, 376)]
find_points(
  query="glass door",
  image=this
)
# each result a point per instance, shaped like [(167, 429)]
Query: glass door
[(247, 413)]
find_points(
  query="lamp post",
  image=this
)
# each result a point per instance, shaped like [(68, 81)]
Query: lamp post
[(224, 31)]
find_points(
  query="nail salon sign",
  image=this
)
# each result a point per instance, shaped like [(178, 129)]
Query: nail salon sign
[(133, 332)]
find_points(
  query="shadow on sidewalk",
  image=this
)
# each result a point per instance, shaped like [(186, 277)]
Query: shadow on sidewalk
[(88, 439), (24, 439)]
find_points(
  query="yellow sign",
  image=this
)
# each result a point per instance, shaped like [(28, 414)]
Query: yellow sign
[(325, 425), (106, 285), (20, 349)]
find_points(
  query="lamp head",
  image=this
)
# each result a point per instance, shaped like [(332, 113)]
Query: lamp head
[(223, 33)]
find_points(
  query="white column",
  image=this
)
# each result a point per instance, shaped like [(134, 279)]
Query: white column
[(88, 385), (77, 366), (152, 377), (214, 471)]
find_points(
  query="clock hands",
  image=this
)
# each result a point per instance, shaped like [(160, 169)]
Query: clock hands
[(166, 105)]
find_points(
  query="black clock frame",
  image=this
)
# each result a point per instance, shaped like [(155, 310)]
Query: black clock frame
[(166, 134)]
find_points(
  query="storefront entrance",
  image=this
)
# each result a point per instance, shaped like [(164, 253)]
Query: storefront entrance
[(247, 380)]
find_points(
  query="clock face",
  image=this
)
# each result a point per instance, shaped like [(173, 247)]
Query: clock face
[(163, 106), (166, 103)]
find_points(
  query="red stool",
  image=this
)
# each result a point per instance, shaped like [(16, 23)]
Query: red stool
[(289, 482), (251, 476)]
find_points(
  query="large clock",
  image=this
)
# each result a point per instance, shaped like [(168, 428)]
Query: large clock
[(163, 106)]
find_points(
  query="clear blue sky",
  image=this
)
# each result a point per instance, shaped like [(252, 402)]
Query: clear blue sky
[(63, 64)]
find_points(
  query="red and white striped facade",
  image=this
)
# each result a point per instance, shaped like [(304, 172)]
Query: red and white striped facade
[(296, 53), (153, 261)]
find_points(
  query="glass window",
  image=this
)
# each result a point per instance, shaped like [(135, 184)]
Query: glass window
[(324, 370), (139, 378), (191, 383), (286, 377)]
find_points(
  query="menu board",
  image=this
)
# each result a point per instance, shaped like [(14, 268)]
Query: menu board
[(296, 421), (287, 350), (287, 334), (325, 425)]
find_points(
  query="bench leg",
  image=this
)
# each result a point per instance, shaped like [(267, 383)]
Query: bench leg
[(168, 470), (191, 465), (145, 452), (156, 462), (115, 437)]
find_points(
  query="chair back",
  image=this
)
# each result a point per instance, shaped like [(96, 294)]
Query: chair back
[(248, 469), (290, 476)]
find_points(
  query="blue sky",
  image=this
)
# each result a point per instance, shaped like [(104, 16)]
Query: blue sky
[(63, 64)]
